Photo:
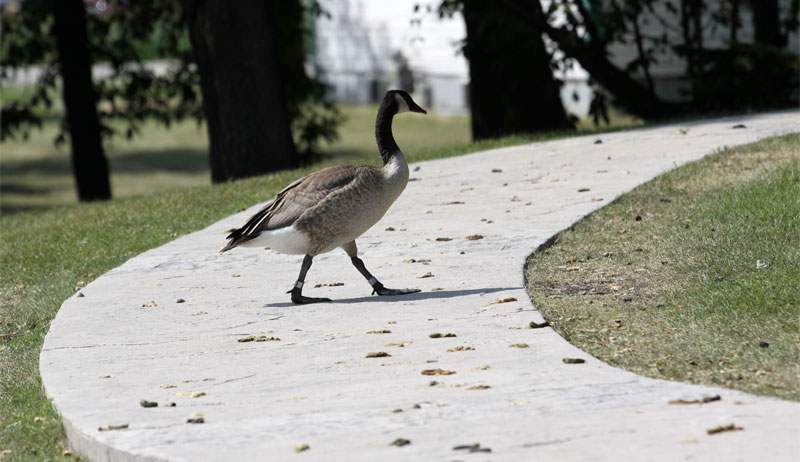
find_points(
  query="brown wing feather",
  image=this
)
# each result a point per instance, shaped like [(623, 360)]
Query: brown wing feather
[(293, 201)]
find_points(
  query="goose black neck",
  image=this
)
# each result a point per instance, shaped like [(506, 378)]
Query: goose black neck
[(383, 134)]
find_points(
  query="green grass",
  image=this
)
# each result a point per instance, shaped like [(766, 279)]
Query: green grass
[(691, 277)]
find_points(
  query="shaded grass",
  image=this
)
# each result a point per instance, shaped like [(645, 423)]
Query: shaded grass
[(691, 277), (36, 174)]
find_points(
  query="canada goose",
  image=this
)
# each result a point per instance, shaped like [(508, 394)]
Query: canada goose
[(332, 207)]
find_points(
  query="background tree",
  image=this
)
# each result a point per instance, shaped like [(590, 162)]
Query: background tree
[(512, 88), (248, 124), (125, 38), (89, 163), (732, 76)]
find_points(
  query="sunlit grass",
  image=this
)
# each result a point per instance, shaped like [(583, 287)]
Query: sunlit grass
[(691, 277)]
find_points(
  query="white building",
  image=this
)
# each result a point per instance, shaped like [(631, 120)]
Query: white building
[(354, 51)]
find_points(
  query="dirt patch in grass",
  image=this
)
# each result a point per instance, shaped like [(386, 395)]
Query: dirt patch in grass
[(691, 277)]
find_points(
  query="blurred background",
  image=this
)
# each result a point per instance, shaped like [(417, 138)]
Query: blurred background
[(120, 98)]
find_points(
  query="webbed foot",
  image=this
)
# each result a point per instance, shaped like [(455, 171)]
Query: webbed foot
[(380, 290), (300, 299)]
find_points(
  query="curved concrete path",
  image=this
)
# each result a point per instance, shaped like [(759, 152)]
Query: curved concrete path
[(127, 339)]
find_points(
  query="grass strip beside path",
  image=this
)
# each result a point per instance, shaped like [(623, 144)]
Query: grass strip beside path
[(690, 277)]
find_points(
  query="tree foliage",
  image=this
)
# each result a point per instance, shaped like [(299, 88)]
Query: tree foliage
[(120, 39), (125, 40), (722, 72)]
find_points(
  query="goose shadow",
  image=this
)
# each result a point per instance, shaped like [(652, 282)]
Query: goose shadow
[(408, 297)]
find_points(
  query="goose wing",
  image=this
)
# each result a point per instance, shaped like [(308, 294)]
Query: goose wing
[(293, 201)]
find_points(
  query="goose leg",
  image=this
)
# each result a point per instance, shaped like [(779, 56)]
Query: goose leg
[(352, 251), (376, 285), (297, 296)]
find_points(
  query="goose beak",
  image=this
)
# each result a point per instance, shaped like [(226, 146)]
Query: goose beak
[(414, 107)]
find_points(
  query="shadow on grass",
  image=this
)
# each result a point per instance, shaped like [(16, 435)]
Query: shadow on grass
[(38, 178), (147, 161), (164, 160)]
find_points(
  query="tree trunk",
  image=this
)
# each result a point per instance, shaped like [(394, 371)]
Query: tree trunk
[(512, 89), (766, 23), (89, 165), (248, 124), (628, 93), (734, 27)]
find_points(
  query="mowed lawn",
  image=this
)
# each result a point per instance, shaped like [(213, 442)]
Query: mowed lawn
[(693, 277)]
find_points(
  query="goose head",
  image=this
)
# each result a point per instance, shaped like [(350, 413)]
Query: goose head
[(398, 101)]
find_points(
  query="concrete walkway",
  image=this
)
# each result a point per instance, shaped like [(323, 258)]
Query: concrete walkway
[(128, 339)]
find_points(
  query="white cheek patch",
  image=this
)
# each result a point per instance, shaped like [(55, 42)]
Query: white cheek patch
[(402, 106)]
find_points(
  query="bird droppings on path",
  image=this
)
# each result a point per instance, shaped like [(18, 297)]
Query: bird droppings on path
[(443, 239), (196, 420), (377, 354), (425, 275), (505, 300), (398, 344), (440, 335), (573, 361), (479, 368), (191, 394), (380, 331), (333, 284), (519, 345), (424, 261), (437, 372), (400, 442), (146, 403), (459, 348), (724, 428), (479, 387), (109, 428), (538, 325), (149, 304), (259, 338), (703, 400), (475, 447), (474, 237), (302, 447)]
